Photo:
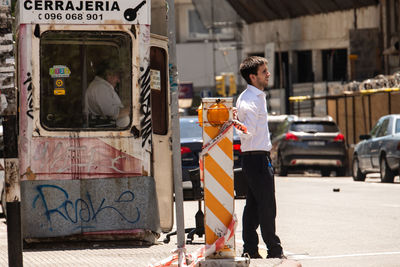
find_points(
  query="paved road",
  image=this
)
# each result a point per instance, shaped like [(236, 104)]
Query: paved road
[(357, 226), (318, 226)]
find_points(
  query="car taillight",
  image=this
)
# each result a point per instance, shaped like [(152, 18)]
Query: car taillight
[(290, 136), (236, 147), (339, 138), (185, 150)]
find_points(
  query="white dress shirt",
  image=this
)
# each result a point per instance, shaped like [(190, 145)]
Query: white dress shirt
[(101, 99), (252, 112)]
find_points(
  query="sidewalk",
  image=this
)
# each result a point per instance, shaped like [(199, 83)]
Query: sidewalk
[(96, 255)]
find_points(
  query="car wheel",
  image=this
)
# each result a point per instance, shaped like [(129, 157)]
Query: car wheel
[(387, 175), (357, 174), (283, 171), (325, 172)]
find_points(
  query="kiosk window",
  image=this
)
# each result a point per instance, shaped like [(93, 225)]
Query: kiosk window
[(158, 85), (85, 80)]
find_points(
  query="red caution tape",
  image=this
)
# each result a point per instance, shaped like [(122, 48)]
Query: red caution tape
[(180, 258)]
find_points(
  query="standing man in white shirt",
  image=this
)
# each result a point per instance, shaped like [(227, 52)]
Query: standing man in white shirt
[(260, 209)]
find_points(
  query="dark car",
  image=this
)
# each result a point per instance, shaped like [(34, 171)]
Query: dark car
[(191, 144), (309, 143), (379, 151)]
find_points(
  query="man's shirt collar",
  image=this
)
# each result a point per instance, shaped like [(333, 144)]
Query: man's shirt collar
[(255, 90)]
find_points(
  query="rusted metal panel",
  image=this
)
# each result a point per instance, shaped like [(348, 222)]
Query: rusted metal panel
[(79, 158), (162, 155), (69, 207), (145, 90), (117, 147), (89, 183)]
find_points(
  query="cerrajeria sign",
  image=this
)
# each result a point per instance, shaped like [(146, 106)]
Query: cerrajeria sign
[(85, 12)]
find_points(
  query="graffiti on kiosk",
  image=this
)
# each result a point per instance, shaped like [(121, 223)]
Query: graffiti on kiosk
[(56, 157), (29, 100), (145, 108), (82, 210)]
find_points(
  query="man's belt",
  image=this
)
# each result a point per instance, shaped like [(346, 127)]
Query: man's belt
[(256, 152)]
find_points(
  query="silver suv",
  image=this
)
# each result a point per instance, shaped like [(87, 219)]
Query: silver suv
[(309, 143)]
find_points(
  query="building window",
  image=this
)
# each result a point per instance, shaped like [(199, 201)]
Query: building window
[(334, 65), (304, 67), (196, 26), (159, 96), (281, 82)]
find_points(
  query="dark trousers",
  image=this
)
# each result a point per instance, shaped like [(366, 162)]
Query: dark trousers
[(260, 209)]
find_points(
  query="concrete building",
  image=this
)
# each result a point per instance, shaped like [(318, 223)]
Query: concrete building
[(204, 52), (317, 49)]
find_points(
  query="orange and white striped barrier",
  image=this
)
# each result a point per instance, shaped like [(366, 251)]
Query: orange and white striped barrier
[(218, 173), (219, 246)]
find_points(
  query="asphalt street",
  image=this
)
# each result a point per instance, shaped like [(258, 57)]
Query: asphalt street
[(333, 221), (338, 222), (322, 221)]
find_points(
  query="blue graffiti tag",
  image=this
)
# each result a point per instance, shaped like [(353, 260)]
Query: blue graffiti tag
[(82, 210)]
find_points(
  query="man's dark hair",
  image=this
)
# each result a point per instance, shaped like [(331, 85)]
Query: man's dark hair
[(250, 66)]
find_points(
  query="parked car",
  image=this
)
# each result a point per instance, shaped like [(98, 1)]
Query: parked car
[(191, 145), (379, 151), (309, 143)]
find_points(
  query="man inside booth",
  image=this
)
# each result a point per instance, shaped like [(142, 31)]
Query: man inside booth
[(102, 103)]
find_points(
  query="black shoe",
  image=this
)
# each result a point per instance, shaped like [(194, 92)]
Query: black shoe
[(252, 255)]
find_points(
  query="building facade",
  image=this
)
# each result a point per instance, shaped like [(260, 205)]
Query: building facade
[(316, 54)]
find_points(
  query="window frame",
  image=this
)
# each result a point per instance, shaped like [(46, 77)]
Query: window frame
[(129, 80)]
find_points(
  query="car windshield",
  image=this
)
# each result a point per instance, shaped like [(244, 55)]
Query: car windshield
[(325, 127), (398, 126), (190, 128)]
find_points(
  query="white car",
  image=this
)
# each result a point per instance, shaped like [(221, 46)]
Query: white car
[(379, 151)]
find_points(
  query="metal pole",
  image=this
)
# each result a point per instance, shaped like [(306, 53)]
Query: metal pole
[(354, 120), (173, 76), (11, 174), (337, 111), (213, 44), (12, 189), (369, 113), (239, 47), (280, 62), (346, 120)]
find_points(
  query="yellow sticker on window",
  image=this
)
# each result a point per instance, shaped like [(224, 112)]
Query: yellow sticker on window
[(59, 91), (59, 83)]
